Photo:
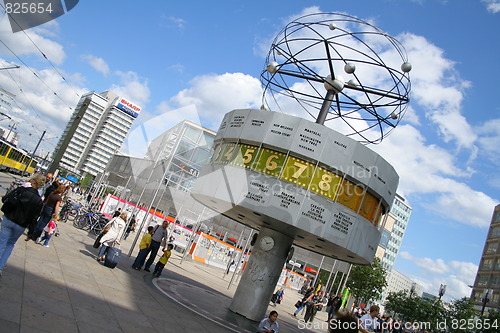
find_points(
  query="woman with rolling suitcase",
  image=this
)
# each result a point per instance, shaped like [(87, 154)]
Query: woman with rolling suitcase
[(108, 254)]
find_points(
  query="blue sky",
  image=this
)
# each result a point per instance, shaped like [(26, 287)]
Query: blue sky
[(203, 59)]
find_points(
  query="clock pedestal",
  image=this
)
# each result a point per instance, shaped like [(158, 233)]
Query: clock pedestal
[(261, 274)]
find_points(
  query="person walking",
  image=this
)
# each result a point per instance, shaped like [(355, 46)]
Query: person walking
[(115, 227), (50, 211), (277, 296), (305, 300), (335, 304), (312, 307), (130, 227), (143, 249), (159, 235), (117, 212), (163, 260), (21, 208), (49, 231), (269, 324)]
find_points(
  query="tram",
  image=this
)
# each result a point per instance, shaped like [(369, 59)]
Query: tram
[(14, 160)]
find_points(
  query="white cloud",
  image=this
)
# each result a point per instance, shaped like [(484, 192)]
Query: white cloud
[(456, 275), (36, 107), (151, 127), (215, 95), (431, 170), (493, 6), (438, 88), (489, 139), (437, 266), (97, 63), (18, 44), (178, 22), (132, 87)]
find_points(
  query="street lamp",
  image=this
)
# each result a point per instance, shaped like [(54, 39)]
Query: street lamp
[(442, 290), (486, 295), (412, 290)]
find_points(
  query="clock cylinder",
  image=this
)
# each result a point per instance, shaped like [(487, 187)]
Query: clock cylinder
[(260, 276)]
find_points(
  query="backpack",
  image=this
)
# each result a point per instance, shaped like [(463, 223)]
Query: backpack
[(11, 200)]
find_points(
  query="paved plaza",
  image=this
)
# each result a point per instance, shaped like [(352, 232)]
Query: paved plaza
[(64, 289)]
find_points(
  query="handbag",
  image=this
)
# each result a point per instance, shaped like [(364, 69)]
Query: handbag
[(97, 242), (298, 304), (107, 227)]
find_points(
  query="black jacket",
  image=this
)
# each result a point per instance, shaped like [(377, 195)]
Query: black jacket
[(28, 208)]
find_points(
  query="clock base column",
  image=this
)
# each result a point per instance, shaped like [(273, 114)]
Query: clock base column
[(261, 275)]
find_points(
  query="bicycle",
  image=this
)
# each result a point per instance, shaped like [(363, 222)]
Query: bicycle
[(90, 221), (69, 211)]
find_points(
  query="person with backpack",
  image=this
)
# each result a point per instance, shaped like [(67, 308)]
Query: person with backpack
[(21, 209)]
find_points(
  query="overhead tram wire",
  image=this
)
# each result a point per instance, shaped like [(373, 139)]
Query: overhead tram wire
[(42, 53), (36, 75), (26, 97)]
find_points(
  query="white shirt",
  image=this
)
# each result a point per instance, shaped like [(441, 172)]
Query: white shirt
[(265, 324), (370, 324)]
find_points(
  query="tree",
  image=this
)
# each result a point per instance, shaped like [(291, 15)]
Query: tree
[(87, 179), (491, 324), (367, 282), (416, 309), (460, 311), (399, 303)]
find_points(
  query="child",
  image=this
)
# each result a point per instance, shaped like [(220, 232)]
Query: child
[(49, 230), (143, 249), (163, 260)]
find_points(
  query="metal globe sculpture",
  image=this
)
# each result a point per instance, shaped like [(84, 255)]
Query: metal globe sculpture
[(342, 70)]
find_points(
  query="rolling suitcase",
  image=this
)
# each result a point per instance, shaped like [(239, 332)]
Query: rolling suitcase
[(112, 257)]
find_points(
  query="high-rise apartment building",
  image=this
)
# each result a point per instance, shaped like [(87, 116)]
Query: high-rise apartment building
[(393, 232), (6, 100), (487, 281), (96, 131)]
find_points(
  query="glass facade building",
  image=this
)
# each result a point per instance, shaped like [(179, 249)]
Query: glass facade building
[(186, 148)]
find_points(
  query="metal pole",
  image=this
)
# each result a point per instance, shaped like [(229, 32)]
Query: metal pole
[(234, 254), (192, 237), (346, 277), (340, 283), (485, 300), (330, 276), (33, 153), (146, 217), (237, 263), (327, 102), (160, 153), (333, 282), (319, 270)]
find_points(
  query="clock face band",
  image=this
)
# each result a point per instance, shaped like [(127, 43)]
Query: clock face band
[(310, 176), (305, 180)]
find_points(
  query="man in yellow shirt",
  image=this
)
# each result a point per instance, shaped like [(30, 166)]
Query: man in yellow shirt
[(144, 248), (163, 261)]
